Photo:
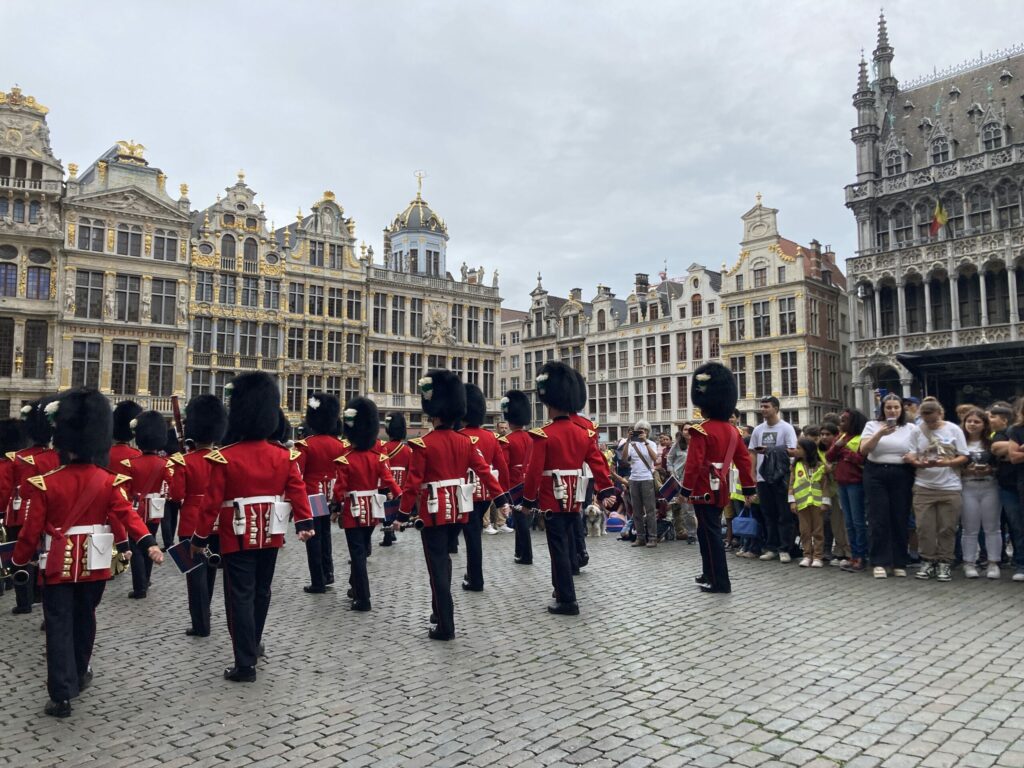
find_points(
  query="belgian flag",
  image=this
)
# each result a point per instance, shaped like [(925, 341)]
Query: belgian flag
[(939, 218)]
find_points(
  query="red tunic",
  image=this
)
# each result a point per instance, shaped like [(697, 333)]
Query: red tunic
[(6, 480), (51, 498), (490, 449), (563, 446), (254, 468), (121, 451), (399, 456), (517, 447), (188, 486), (444, 455), (709, 442), (317, 455), (150, 474), (35, 460), (363, 471)]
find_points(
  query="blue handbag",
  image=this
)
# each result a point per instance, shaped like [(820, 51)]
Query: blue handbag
[(745, 524)]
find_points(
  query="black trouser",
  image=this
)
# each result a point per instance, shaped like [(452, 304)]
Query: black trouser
[(559, 529), (472, 530), (142, 566), (888, 493), (319, 555), (169, 523), (247, 580), (523, 522), (436, 541), (779, 535), (582, 556), (358, 540), (200, 583), (70, 614), (712, 550), (24, 594)]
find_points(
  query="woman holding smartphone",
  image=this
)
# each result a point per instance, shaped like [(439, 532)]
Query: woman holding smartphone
[(888, 486)]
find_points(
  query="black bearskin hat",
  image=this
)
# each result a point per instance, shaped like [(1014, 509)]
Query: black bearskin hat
[(38, 427), (443, 395), (362, 423), (124, 412), (283, 431), (557, 387), (12, 436), (150, 428), (322, 412), (714, 391), (515, 406), (254, 405), (206, 419), (476, 406), (83, 425), (395, 423), (581, 392)]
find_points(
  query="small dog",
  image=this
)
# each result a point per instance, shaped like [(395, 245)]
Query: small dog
[(596, 519)]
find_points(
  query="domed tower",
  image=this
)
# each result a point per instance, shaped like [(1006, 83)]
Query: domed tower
[(416, 241)]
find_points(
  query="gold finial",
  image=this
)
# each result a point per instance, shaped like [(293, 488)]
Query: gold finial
[(183, 189), (15, 98), (362, 248), (759, 198), (350, 225), (101, 168), (161, 181), (131, 151), (420, 176), (241, 176), (298, 216), (287, 238), (328, 195), (73, 170), (206, 219)]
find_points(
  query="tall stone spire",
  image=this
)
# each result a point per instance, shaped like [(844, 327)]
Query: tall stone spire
[(865, 134), (883, 56)]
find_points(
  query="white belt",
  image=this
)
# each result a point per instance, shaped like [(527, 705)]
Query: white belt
[(446, 483), (87, 530), (362, 494), (562, 472), (246, 501)]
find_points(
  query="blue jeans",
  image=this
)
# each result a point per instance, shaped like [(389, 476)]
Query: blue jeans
[(852, 499), (1014, 511)]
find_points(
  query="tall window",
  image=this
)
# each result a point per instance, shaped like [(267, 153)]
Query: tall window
[(881, 229), (353, 386), (682, 393), (762, 375), (353, 348), (664, 349), (333, 384), (380, 314), (940, 150), (651, 355), (38, 286), (293, 392), (739, 282), (335, 302), (90, 235), (489, 327), (954, 206), (228, 290), (316, 253), (787, 368), (201, 382), (488, 385), (457, 317), (9, 281), (398, 319), (89, 295), (354, 305), (696, 306), (161, 371), (1007, 205), (202, 335), (85, 364), (473, 325), (227, 253), (697, 343), (680, 347), (761, 277), (830, 322), (416, 318), (296, 298), (600, 320), (893, 163), (902, 224), (164, 299), (762, 319), (6, 346), (714, 348), (296, 341), (415, 370), (220, 382), (250, 291), (980, 202), (458, 366), (434, 263), (414, 260), (334, 253), (204, 286), (129, 240), (991, 136), (378, 371), (127, 293), (787, 315), (165, 245), (36, 333), (815, 381), (738, 365), (781, 274), (737, 322), (271, 294), (334, 346), (316, 300), (270, 341), (397, 372), (225, 337), (315, 346)]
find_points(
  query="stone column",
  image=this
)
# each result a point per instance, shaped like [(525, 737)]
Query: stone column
[(901, 310), (927, 306), (984, 299), (954, 306), (1011, 278), (905, 385), (876, 321)]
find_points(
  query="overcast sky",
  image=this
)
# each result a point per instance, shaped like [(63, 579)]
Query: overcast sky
[(587, 140)]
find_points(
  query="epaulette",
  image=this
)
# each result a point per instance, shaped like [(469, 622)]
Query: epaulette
[(501, 438), (28, 459), (382, 443), (341, 460), (382, 457), (126, 463), (346, 442), (594, 423), (302, 442), (177, 458), (12, 455), (216, 457), (538, 432), (294, 453), (418, 442), (474, 439), (38, 482), (591, 433), (698, 428), (121, 479)]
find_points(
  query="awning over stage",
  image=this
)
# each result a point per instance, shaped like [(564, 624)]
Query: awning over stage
[(991, 371)]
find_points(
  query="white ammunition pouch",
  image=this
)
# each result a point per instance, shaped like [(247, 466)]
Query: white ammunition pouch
[(155, 507), (376, 503), (99, 548), (280, 512), (559, 488), (464, 495)]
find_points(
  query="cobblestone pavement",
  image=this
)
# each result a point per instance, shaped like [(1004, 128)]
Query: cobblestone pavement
[(796, 667)]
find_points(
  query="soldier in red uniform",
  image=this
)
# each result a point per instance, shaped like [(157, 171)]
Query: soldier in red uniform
[(362, 473), (150, 476), (72, 507), (554, 481), (254, 486), (399, 455), (517, 446), (124, 413), (715, 445), (436, 485), (578, 540), (317, 453), (39, 458), (205, 423), (12, 440), (490, 449)]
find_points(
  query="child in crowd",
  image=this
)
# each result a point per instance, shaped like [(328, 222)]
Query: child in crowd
[(806, 497)]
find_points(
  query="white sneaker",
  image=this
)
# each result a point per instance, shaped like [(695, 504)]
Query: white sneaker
[(506, 529), (806, 563), (1018, 575), (879, 573), (841, 563), (970, 572), (899, 572), (815, 563), (784, 557), (490, 530), (993, 571), (769, 556)]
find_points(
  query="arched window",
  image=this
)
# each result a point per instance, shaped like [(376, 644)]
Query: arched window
[(953, 204), (90, 234), (600, 320), (227, 252), (940, 150), (902, 224), (893, 163), (1007, 204), (980, 202), (165, 245), (20, 170), (881, 230), (696, 305), (33, 212), (992, 136), (923, 216), (969, 293), (129, 240), (19, 211), (250, 255)]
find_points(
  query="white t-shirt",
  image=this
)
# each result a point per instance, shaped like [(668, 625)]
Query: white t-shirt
[(890, 448), (631, 451), (946, 442), (781, 435)]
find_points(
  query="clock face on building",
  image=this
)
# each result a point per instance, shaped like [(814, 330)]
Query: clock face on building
[(758, 229)]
